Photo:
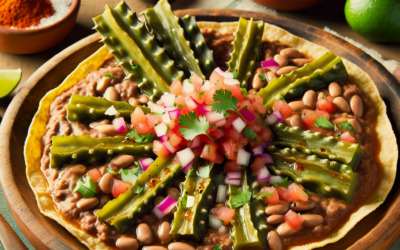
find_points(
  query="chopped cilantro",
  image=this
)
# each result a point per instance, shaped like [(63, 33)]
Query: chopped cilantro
[(191, 172), (346, 125), (240, 198), (334, 234), (323, 122), (217, 247), (204, 171), (262, 77), (139, 138), (130, 175), (138, 190), (201, 94), (87, 189), (213, 125), (224, 101), (110, 171), (281, 97), (379, 199), (265, 195), (135, 66), (307, 191), (249, 133), (283, 183), (193, 126), (244, 91), (109, 75)]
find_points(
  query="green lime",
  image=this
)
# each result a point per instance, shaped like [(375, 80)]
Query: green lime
[(9, 79), (376, 20)]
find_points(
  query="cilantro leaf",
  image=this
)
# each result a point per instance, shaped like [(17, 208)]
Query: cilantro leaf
[(109, 75), (307, 191), (379, 199), (322, 122), (265, 195), (130, 175), (224, 101), (138, 190), (110, 171), (139, 138), (87, 189), (283, 183), (193, 126), (204, 171), (217, 247), (249, 133), (262, 77), (240, 198), (347, 125)]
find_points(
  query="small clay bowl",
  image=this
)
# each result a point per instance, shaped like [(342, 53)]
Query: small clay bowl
[(29, 41), (289, 5)]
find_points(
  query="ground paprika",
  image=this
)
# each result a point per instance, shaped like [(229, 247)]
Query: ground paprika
[(24, 13)]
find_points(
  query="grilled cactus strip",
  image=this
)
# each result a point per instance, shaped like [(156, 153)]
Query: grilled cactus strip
[(168, 30), (315, 75), (122, 212), (89, 108), (198, 44), (318, 174), (87, 150), (247, 45), (136, 51), (243, 234), (309, 142), (193, 227)]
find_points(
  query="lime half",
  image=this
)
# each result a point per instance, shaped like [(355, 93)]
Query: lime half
[(9, 79)]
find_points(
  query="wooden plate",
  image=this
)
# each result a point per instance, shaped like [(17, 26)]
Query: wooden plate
[(377, 231)]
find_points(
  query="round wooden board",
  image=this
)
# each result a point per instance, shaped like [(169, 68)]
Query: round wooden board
[(377, 231)]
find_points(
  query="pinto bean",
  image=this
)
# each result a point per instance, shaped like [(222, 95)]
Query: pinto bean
[(281, 60), (86, 204), (357, 106), (163, 232), (271, 76), (285, 230), (302, 205), (297, 106), (315, 197), (106, 129), (341, 104), (143, 99), (274, 240), (296, 121), (133, 101), (158, 200), (280, 208), (223, 230), (356, 125), (173, 193), (256, 83), (335, 89), (310, 99), (106, 183), (127, 243), (144, 234), (77, 170), (253, 92), (180, 246), (339, 120), (103, 84), (285, 70), (275, 219), (122, 161), (299, 62), (111, 94), (154, 248), (290, 53), (312, 220)]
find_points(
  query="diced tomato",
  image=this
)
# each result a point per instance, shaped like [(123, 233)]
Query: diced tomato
[(326, 104), (217, 133), (216, 78), (224, 213), (197, 81), (197, 151), (230, 149), (251, 98), (297, 192), (222, 85), (231, 133), (138, 116), (175, 140), (253, 126), (265, 134), (258, 163), (232, 116), (232, 166), (309, 117), (172, 125), (283, 107), (185, 110), (209, 151), (144, 128), (246, 104), (294, 219), (176, 87), (94, 174), (243, 142), (260, 108), (236, 92), (180, 100), (347, 137), (219, 159), (205, 139), (322, 113), (209, 95), (159, 149), (284, 194), (153, 120), (119, 187), (272, 196)]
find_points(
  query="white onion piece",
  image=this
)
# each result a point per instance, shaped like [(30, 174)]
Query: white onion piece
[(146, 162), (120, 124), (169, 147), (190, 102), (220, 123), (185, 157), (213, 117), (161, 129), (263, 175), (275, 179), (227, 75), (239, 124), (232, 182), (243, 157), (221, 194), (231, 82), (157, 108), (164, 207), (274, 118), (168, 100), (165, 117), (206, 85), (174, 114), (214, 222), (190, 201), (111, 111), (187, 87), (234, 175)]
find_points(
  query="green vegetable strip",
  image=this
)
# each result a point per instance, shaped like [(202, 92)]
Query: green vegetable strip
[(202, 189), (89, 108), (198, 44), (122, 212), (136, 51), (87, 150), (315, 75), (318, 175), (167, 27), (243, 234), (247, 45), (310, 142)]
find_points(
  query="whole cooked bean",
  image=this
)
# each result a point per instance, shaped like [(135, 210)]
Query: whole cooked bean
[(122, 161), (310, 99), (275, 219), (143, 99), (86, 204), (339, 120), (127, 243), (281, 60), (335, 89), (312, 220), (274, 240), (163, 232), (253, 92), (103, 84), (285, 70), (106, 129), (280, 208), (111, 94), (180, 246), (257, 83), (290, 53), (106, 183), (223, 230), (77, 169), (285, 230), (299, 62), (271, 76), (357, 106), (154, 248), (144, 234), (302, 205), (341, 104), (315, 197), (356, 125), (133, 101), (158, 200), (177, 183), (173, 193), (296, 121), (297, 106), (286, 121)]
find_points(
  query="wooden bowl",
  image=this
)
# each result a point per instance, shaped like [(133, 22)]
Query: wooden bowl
[(377, 231), (29, 41), (289, 5)]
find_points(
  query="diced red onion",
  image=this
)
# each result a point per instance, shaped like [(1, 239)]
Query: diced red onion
[(239, 124), (111, 111), (203, 109), (243, 157), (174, 114), (275, 179), (213, 117), (232, 182), (120, 125), (220, 123), (271, 65), (146, 162), (234, 175), (169, 147), (164, 207), (188, 167), (273, 118), (165, 117), (267, 157), (247, 114), (214, 222), (258, 150), (196, 142), (221, 194), (163, 138), (263, 175), (190, 102), (187, 87), (185, 156), (226, 75), (161, 129), (168, 100), (228, 81), (157, 108)]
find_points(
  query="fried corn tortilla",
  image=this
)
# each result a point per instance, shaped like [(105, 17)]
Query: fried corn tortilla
[(388, 154)]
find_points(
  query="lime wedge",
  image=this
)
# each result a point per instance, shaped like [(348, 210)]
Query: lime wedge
[(9, 79)]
